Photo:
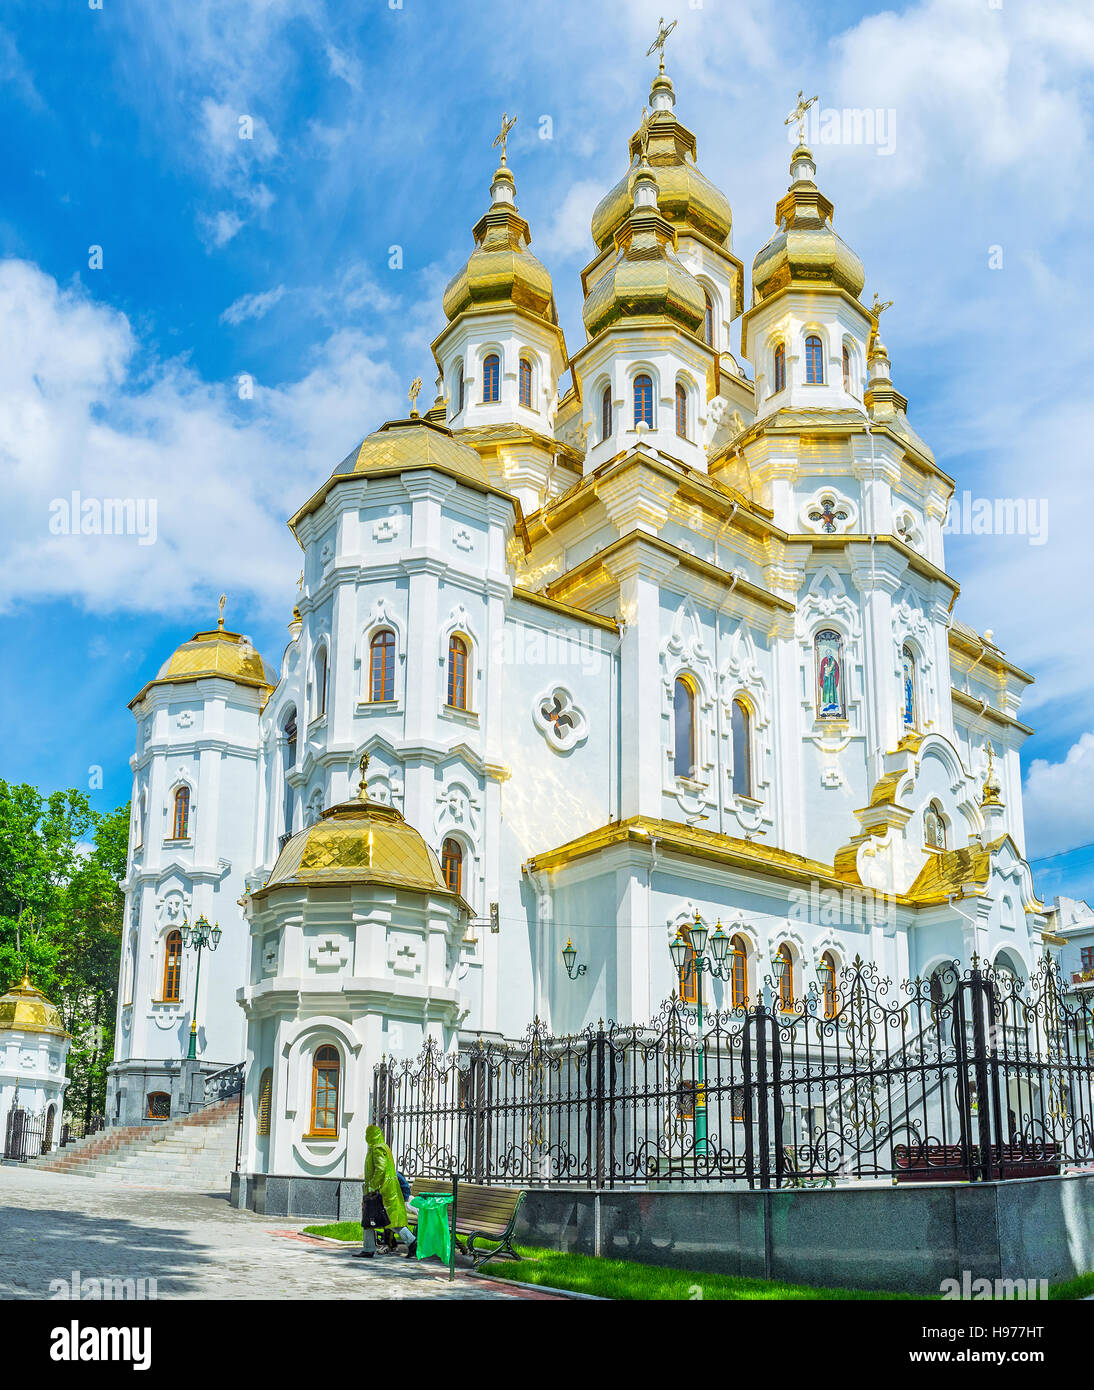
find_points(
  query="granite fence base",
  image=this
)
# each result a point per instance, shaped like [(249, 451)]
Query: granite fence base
[(895, 1238)]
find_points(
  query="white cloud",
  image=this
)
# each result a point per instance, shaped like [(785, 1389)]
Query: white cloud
[(1059, 800), (252, 306), (567, 234), (219, 229), (86, 406)]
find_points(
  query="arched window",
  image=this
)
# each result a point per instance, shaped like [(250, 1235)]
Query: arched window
[(741, 727), (265, 1097), (934, 827), (847, 369), (459, 388), (907, 662), (324, 1092), (381, 675), (320, 682), (683, 717), (780, 367), (689, 976), (681, 411), (831, 686), (288, 763), (814, 361), (786, 980), (457, 672), (452, 865), (738, 972), (525, 379), (643, 400), (708, 319), (831, 1003), (180, 821), (491, 378), (172, 967), (159, 1106), (606, 413)]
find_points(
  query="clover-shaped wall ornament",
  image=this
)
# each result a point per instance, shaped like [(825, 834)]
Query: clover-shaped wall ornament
[(559, 720)]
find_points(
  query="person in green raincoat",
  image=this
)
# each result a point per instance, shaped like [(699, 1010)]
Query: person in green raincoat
[(380, 1176)]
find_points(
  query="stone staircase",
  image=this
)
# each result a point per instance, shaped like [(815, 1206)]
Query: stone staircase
[(196, 1153)]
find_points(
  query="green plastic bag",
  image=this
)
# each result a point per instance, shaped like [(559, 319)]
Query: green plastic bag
[(434, 1236)]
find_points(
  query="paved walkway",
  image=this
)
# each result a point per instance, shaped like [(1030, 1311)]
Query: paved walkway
[(193, 1245)]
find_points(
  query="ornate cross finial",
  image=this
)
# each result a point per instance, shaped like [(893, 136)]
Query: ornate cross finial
[(300, 581), (362, 790), (644, 135), (415, 388), (877, 308), (798, 115), (658, 45), (220, 606), (502, 136)]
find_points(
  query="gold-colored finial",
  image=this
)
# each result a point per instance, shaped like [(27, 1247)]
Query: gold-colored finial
[(876, 310), (502, 137), (415, 388), (658, 45), (362, 790), (644, 135), (798, 115), (220, 619), (990, 795)]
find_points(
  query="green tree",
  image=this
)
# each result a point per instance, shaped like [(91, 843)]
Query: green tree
[(61, 907)]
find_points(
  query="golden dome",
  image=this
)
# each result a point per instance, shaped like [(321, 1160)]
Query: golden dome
[(645, 279), (28, 1009), (686, 197), (805, 250), (501, 272), (400, 445), (216, 652), (359, 841)]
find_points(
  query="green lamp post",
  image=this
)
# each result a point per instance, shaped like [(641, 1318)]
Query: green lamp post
[(197, 937), (691, 952)]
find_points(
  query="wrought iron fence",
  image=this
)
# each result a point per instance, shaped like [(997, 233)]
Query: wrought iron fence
[(965, 1075)]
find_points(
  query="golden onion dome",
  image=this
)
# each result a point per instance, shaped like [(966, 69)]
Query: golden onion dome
[(360, 842), (687, 198), (501, 272), (27, 1009), (805, 250), (646, 279)]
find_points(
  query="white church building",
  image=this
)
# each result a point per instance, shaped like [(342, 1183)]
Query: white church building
[(654, 627)]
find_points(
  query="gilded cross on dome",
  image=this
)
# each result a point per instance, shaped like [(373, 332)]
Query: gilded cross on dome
[(644, 135), (875, 311), (415, 388), (220, 607), (502, 136), (798, 114), (658, 45), (362, 790)]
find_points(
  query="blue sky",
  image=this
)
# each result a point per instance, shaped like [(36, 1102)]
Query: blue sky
[(372, 128)]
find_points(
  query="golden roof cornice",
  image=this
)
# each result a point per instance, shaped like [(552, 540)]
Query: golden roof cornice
[(964, 639), (488, 437), (492, 311), (570, 610), (729, 581), (986, 711), (839, 541), (719, 497)]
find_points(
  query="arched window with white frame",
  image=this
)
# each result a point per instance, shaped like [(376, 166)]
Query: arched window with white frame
[(740, 720), (319, 687), (491, 379), (606, 413), (681, 410), (684, 721), (643, 400), (524, 379), (708, 319), (908, 686), (779, 369), (814, 360)]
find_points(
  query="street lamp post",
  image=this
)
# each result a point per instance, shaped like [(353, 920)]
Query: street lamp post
[(690, 951), (198, 936)]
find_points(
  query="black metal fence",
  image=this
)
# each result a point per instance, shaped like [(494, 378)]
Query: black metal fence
[(28, 1135), (966, 1075)]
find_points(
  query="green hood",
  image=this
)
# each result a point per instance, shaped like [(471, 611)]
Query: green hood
[(374, 1135)]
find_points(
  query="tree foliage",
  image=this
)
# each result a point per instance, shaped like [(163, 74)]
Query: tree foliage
[(61, 907)]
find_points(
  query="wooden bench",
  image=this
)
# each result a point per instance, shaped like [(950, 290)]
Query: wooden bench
[(945, 1162), (482, 1213)]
